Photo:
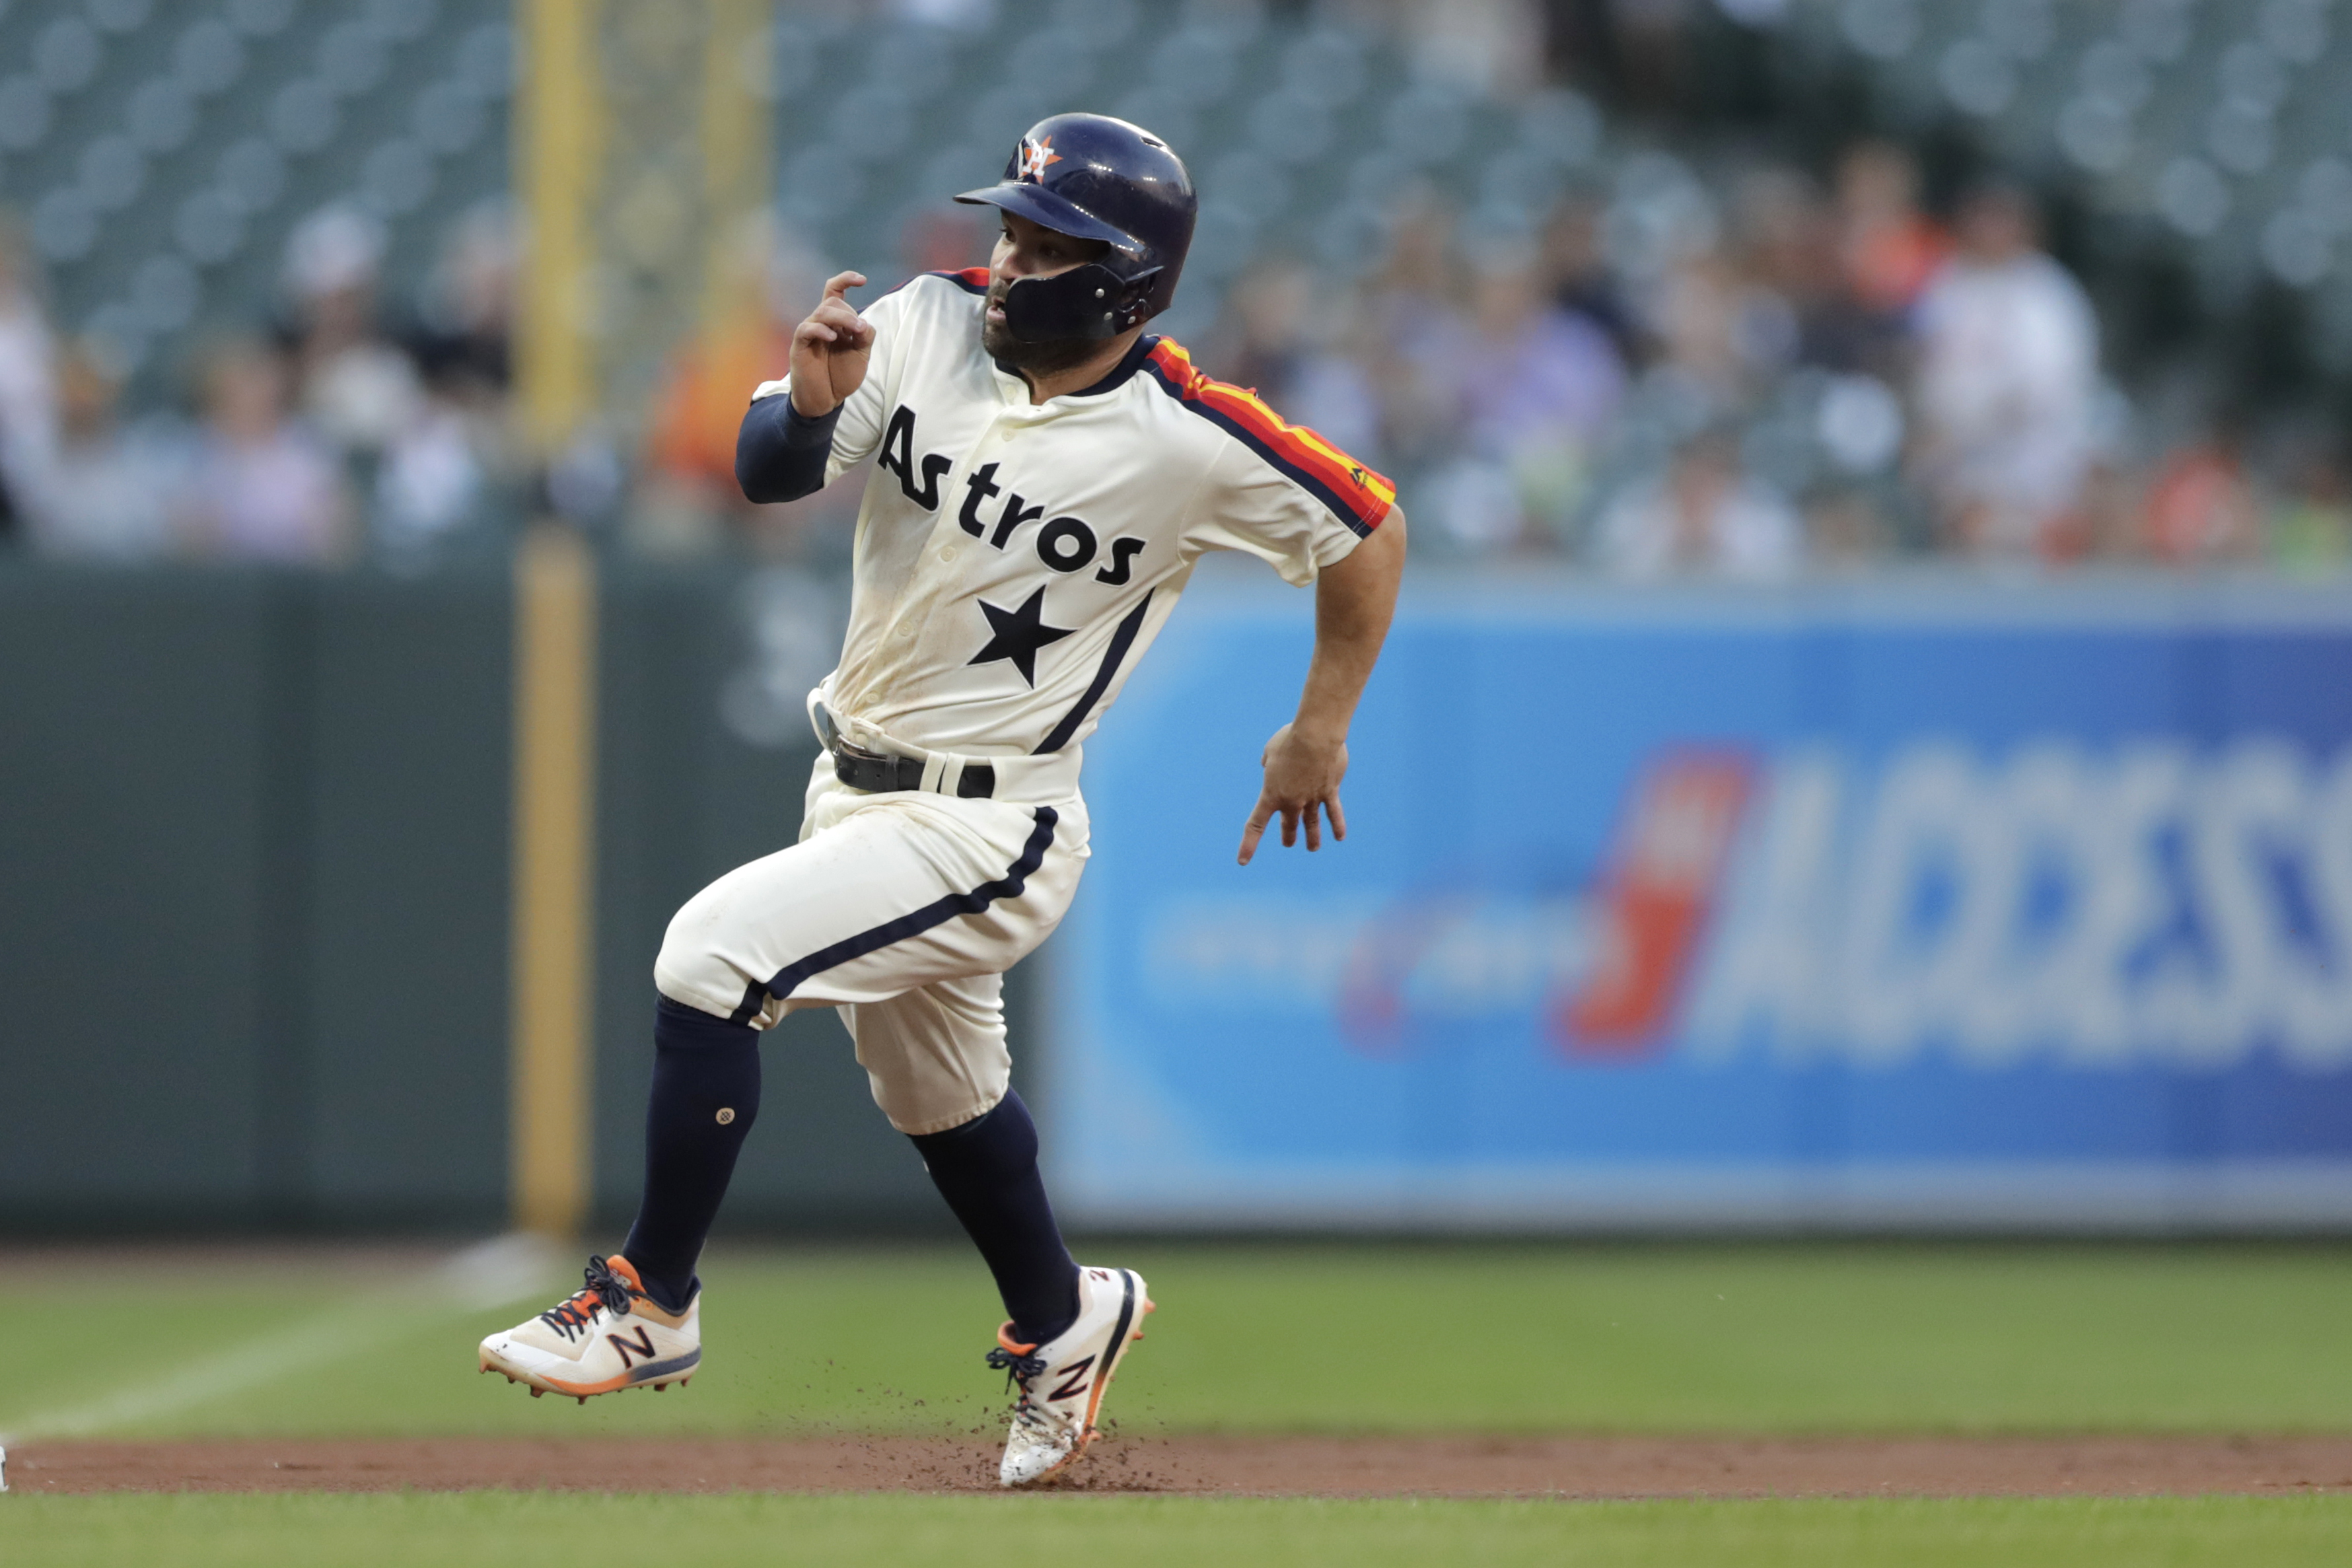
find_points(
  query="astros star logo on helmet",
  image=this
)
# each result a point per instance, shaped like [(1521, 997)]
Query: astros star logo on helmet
[(1036, 155)]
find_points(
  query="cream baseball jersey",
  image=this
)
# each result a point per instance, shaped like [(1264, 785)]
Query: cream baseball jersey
[(1013, 561)]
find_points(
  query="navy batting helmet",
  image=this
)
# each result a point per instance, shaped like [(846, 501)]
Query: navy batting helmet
[(1097, 178)]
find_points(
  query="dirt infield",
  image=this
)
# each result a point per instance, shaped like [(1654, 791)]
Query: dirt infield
[(1320, 1466)]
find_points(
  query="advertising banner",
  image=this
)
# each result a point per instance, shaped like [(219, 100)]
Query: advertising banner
[(2007, 907)]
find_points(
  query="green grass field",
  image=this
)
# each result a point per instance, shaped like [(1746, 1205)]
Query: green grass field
[(1339, 1339), (1264, 1339), (461, 1530)]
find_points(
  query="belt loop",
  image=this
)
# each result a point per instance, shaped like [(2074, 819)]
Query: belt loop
[(950, 772), (933, 766)]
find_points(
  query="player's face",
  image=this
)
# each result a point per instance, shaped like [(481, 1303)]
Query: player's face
[(1029, 249)]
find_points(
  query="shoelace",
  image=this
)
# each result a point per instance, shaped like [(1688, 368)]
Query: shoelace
[(1020, 1371), (603, 1288)]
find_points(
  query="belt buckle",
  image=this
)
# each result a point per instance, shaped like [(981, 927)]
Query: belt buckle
[(856, 767), (863, 770), (829, 731), (885, 772)]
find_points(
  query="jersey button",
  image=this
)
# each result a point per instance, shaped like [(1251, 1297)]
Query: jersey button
[(949, 553), (907, 630)]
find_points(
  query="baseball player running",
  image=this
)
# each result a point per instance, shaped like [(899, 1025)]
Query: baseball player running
[(1045, 475)]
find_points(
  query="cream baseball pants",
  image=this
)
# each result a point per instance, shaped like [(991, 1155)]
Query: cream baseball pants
[(902, 909)]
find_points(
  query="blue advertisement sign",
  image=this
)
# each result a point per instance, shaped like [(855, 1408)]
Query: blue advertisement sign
[(2012, 908)]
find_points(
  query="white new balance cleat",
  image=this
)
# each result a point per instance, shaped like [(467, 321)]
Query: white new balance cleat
[(608, 1336), (1063, 1382)]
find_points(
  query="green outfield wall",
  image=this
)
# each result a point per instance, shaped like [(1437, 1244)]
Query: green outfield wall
[(254, 896)]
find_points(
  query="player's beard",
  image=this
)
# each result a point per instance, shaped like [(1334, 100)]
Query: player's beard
[(1049, 357)]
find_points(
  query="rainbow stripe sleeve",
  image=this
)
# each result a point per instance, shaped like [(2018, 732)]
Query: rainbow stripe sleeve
[(1355, 494)]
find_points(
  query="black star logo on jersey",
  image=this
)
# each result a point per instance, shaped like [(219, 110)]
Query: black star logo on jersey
[(1017, 634)]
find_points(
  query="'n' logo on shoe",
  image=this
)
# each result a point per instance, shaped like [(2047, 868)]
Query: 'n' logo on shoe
[(643, 1345), (1077, 1374)]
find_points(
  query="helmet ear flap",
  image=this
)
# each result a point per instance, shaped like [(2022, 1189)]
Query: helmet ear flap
[(1086, 301), (1089, 301), (1137, 303)]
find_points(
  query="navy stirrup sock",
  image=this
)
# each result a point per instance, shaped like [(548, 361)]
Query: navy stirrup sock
[(987, 1171), (705, 1096)]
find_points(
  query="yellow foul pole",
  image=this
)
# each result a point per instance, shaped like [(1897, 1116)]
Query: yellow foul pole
[(559, 167), (588, 65), (559, 158), (554, 934), (736, 181)]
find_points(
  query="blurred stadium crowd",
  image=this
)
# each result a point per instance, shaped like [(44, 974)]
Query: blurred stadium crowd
[(1530, 259), (318, 434)]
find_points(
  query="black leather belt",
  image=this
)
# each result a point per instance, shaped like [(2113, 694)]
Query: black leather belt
[(875, 773)]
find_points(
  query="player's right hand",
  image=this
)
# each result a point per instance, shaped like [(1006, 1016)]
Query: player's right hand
[(1302, 779), (830, 349)]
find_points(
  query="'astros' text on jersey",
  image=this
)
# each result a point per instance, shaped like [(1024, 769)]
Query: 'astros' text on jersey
[(1013, 560)]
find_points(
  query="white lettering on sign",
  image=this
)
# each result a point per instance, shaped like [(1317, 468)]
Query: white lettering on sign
[(1434, 954), (2057, 903)]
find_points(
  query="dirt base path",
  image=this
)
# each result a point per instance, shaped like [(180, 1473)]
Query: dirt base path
[(1321, 1466)]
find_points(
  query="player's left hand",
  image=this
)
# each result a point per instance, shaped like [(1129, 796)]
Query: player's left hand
[(1302, 782)]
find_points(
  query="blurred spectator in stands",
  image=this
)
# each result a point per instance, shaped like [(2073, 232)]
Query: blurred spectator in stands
[(358, 390), (1281, 341), (1413, 314), (1725, 337), (1703, 517), (439, 468), (2310, 532), (947, 241), (1787, 236), (1651, 44), (1262, 336), (1580, 41), (688, 501), (429, 487), (2007, 382), (963, 16), (28, 395), (1846, 529), (1888, 248), (1540, 386), (2201, 507), (111, 492), (1856, 508), (1492, 47), (1576, 268), (463, 340), (2106, 521), (262, 487)]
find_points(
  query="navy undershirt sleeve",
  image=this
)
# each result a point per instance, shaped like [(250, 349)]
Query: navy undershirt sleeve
[(781, 453)]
